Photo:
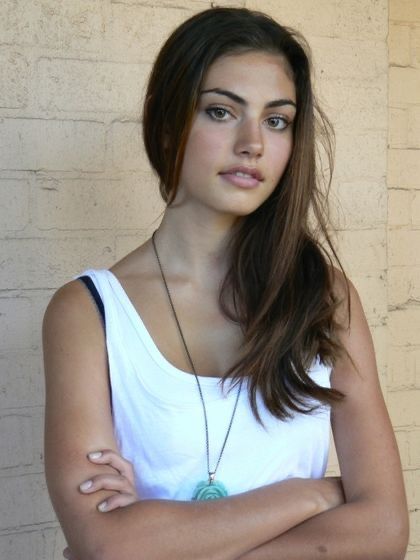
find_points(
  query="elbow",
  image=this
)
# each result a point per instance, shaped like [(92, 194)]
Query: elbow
[(401, 538), (396, 533)]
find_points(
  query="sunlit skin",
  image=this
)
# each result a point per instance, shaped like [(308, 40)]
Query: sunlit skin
[(244, 118)]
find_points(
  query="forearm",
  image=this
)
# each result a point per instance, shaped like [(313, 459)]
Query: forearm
[(220, 529), (353, 531)]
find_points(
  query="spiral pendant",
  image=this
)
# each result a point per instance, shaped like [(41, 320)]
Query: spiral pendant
[(206, 490)]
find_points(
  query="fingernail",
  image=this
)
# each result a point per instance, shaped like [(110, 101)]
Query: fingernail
[(102, 506), (86, 485), (95, 455)]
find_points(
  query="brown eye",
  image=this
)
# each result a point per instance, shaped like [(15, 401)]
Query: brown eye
[(278, 122), (218, 113)]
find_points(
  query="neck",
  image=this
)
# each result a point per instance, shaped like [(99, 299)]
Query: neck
[(193, 251)]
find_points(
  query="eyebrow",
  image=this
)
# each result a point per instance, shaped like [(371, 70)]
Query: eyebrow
[(241, 100)]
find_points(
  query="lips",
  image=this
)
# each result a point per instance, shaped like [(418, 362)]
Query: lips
[(245, 172)]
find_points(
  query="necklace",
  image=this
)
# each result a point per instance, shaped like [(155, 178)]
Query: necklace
[(209, 489)]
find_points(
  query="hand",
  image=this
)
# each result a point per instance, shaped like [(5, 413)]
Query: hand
[(121, 482)]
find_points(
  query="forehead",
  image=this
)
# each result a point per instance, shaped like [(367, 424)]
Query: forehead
[(254, 72)]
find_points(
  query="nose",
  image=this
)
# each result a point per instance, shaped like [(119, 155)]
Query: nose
[(249, 140)]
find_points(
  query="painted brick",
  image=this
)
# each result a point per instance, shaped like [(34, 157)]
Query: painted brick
[(139, 31), (38, 263), (373, 291), (127, 243), (403, 248), (402, 442), (14, 209), (14, 78), (415, 45), (404, 10), (24, 501), (398, 286), (412, 555), (413, 127), (21, 380), (360, 18), (414, 445), (403, 407), (306, 19), (416, 354), (128, 152), (352, 107), (364, 19), (86, 85), (356, 61), (404, 169), (399, 45), (415, 209), (28, 545), (412, 485), (399, 207), (401, 367), (20, 433), (16, 330), (20, 331), (415, 526), (404, 326), (185, 4), (76, 204), (29, 144), (56, 24), (359, 204), (362, 251), (398, 128), (404, 86), (361, 156)]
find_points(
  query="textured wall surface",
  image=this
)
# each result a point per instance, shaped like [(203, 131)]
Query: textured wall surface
[(77, 191), (404, 247)]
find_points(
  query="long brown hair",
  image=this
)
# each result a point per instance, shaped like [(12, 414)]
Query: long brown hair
[(281, 256)]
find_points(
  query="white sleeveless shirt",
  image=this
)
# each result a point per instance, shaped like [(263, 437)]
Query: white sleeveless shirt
[(159, 422)]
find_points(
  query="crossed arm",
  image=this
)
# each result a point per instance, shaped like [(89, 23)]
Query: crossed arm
[(294, 519)]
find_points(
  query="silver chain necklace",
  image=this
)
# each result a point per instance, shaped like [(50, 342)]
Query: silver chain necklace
[(209, 489)]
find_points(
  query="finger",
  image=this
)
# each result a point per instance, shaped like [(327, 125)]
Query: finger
[(115, 460), (117, 501), (107, 481)]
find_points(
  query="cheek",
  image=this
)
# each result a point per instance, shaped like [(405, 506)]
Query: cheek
[(201, 149), (280, 155)]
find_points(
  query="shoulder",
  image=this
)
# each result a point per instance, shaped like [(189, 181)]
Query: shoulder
[(71, 322), (69, 302)]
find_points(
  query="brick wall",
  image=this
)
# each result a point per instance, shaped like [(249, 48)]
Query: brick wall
[(77, 191), (404, 246)]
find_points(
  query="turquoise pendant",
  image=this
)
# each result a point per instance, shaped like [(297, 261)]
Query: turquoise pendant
[(206, 490)]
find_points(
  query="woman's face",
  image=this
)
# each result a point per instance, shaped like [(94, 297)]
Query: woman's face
[(242, 135)]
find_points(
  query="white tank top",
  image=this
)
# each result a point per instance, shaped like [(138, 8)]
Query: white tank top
[(159, 423)]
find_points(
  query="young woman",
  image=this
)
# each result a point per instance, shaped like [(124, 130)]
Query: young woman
[(192, 421)]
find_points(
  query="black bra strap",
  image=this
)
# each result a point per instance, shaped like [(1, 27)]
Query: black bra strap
[(88, 282)]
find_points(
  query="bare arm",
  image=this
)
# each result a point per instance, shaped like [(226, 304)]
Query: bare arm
[(78, 421), (372, 524)]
